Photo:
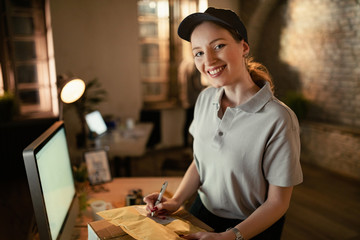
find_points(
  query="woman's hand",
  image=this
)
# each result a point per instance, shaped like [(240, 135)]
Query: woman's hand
[(187, 187), (165, 207)]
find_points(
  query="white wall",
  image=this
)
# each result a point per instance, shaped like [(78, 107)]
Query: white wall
[(99, 39)]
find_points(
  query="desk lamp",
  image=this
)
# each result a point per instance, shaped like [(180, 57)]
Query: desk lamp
[(71, 90)]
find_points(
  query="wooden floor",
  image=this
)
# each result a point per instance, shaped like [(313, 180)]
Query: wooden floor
[(324, 206)]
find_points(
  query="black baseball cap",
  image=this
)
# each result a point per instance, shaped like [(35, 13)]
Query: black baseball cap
[(224, 17)]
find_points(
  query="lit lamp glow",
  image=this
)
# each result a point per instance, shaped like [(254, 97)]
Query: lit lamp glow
[(72, 90)]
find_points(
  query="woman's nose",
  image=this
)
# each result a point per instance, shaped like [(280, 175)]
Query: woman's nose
[(210, 58)]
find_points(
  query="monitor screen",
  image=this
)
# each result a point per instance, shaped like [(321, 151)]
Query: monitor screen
[(96, 122), (51, 183)]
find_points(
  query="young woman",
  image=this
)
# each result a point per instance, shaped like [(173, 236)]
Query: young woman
[(246, 142)]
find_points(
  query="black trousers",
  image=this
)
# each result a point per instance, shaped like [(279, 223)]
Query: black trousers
[(220, 224)]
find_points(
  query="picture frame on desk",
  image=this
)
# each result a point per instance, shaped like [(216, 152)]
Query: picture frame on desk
[(98, 167)]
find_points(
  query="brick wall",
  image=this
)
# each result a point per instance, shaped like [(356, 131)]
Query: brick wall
[(332, 147), (313, 46), (321, 40)]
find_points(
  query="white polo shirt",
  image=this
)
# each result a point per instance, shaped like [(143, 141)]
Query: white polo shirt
[(237, 157)]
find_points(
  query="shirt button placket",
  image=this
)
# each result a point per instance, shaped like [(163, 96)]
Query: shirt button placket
[(218, 139)]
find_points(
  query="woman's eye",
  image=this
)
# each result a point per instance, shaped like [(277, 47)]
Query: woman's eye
[(217, 47), (198, 54)]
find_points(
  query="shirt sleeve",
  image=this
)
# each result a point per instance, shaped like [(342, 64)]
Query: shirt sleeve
[(281, 163)]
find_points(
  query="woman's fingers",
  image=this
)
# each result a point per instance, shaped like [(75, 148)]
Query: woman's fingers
[(150, 201)]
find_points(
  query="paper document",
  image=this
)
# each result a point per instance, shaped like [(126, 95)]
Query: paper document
[(135, 221), (141, 209)]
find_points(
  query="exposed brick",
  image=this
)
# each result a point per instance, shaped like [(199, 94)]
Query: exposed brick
[(332, 147), (322, 39), (320, 43)]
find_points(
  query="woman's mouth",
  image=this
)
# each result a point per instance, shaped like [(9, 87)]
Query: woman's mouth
[(216, 71)]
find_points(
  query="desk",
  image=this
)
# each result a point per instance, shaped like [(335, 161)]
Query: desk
[(125, 144), (116, 192)]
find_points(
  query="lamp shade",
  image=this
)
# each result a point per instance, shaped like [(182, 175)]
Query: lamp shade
[(72, 90)]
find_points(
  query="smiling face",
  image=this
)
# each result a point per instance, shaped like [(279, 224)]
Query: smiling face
[(217, 55)]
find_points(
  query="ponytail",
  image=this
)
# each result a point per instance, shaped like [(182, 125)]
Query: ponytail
[(258, 72)]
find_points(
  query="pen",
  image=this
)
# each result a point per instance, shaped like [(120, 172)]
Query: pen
[(162, 191)]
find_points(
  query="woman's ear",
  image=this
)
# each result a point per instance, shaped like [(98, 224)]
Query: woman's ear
[(246, 48)]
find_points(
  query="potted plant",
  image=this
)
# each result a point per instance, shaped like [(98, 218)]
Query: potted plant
[(298, 103), (8, 107)]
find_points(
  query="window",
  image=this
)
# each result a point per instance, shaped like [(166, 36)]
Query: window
[(27, 58), (161, 49), (154, 47)]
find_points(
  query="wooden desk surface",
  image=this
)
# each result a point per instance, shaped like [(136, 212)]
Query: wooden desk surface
[(115, 192)]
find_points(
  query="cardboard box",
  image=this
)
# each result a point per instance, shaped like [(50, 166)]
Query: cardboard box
[(102, 229)]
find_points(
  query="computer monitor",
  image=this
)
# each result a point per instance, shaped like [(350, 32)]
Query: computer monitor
[(51, 183), (96, 122)]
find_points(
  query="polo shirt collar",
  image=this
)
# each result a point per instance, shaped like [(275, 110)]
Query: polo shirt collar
[(254, 104)]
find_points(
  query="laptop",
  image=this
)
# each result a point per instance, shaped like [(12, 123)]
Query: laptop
[(96, 123)]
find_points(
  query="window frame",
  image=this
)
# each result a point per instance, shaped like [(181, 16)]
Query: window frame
[(38, 67)]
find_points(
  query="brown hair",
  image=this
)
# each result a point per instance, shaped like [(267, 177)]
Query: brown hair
[(258, 72)]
